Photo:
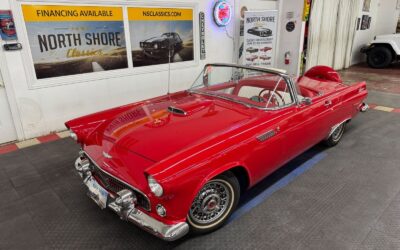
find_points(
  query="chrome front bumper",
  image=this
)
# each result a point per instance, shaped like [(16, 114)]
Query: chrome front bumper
[(124, 205)]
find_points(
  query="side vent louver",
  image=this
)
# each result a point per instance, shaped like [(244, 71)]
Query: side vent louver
[(176, 111)]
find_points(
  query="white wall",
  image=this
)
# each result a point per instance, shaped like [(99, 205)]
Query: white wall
[(387, 16), (290, 41), (43, 110), (384, 21), (259, 4), (39, 111)]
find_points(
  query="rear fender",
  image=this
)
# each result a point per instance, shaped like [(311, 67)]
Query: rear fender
[(323, 73)]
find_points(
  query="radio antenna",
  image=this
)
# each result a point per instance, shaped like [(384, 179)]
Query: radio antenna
[(169, 68), (169, 59)]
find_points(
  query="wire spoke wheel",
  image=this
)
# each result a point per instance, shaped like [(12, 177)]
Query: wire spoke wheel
[(211, 203), (214, 203)]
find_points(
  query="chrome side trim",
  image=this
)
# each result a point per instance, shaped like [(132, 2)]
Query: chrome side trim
[(266, 136), (102, 170)]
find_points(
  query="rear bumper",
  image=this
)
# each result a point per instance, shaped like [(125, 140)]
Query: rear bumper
[(124, 205), (364, 107)]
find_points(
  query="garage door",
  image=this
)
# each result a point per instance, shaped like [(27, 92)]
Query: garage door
[(331, 32), (7, 129)]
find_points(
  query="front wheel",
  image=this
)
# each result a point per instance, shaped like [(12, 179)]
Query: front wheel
[(214, 203)]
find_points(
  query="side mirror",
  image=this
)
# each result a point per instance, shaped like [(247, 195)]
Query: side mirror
[(306, 101)]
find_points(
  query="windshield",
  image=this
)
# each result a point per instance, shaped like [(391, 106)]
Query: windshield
[(250, 87)]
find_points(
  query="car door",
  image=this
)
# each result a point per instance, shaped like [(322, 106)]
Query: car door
[(308, 125), (266, 145)]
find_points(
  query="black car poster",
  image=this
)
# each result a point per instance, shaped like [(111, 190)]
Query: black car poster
[(260, 38), (69, 40), (161, 35)]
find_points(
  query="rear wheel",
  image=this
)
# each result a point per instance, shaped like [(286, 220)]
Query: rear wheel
[(336, 136), (214, 203), (379, 57)]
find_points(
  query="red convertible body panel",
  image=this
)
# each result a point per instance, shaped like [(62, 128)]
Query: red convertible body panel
[(183, 150)]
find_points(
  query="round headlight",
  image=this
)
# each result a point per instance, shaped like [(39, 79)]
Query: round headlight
[(155, 187), (156, 46)]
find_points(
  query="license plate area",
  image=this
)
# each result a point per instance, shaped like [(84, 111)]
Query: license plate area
[(97, 193)]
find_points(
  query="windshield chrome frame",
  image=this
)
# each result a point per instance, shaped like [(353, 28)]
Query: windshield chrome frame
[(284, 76)]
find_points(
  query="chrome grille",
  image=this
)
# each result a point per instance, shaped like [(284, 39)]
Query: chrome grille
[(114, 185)]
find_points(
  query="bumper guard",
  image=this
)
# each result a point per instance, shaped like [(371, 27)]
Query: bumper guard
[(124, 206)]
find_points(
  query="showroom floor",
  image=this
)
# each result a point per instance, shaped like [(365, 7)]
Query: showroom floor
[(347, 197)]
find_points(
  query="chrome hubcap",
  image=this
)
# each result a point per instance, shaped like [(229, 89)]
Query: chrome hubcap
[(337, 133), (211, 203)]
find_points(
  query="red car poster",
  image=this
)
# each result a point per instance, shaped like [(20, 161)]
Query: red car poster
[(7, 27)]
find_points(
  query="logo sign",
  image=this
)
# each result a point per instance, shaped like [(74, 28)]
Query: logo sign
[(202, 36), (222, 13)]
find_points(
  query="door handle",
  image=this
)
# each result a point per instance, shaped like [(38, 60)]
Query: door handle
[(328, 103)]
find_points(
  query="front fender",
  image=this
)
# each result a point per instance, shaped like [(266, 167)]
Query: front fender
[(390, 43), (183, 189)]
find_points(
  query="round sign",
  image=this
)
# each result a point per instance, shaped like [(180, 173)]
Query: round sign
[(290, 26), (222, 13)]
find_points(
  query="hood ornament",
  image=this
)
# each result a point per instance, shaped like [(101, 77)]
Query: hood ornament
[(107, 155)]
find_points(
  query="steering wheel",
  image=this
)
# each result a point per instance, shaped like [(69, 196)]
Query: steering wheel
[(274, 97)]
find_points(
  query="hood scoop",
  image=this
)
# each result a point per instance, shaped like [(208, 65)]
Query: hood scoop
[(177, 111), (189, 108)]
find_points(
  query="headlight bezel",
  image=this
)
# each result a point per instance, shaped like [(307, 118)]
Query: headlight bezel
[(154, 186)]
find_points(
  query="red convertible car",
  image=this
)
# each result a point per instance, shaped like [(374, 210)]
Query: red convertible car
[(179, 162)]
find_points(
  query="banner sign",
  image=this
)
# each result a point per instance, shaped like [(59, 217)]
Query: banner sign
[(260, 31), (202, 23), (68, 40), (306, 10), (7, 28), (161, 35)]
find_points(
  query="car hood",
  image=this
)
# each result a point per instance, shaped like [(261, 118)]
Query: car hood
[(154, 39), (156, 130), (388, 36)]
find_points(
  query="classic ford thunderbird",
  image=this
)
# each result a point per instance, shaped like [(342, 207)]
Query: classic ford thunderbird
[(179, 162), (260, 31)]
